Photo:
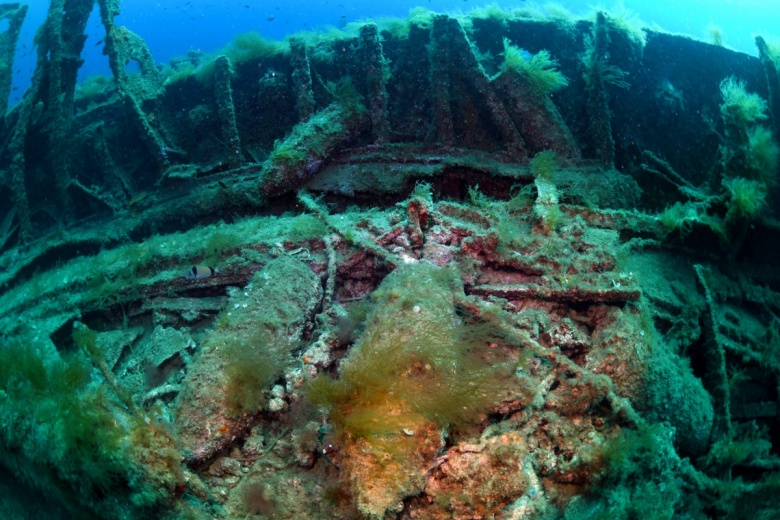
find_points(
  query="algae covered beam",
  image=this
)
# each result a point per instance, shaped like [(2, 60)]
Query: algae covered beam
[(716, 378), (447, 31), (124, 46), (223, 95), (297, 158), (534, 114), (375, 77), (60, 43), (47, 108), (299, 58), (601, 142), (441, 82), (463, 60)]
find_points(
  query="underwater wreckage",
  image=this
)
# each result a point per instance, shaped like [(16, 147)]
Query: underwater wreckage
[(485, 266)]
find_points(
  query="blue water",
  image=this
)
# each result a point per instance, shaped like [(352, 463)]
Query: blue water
[(173, 27)]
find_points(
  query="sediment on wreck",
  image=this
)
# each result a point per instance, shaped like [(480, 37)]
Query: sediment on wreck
[(262, 324), (411, 376)]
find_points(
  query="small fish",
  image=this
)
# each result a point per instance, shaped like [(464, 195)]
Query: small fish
[(198, 272), (270, 19), (138, 198)]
